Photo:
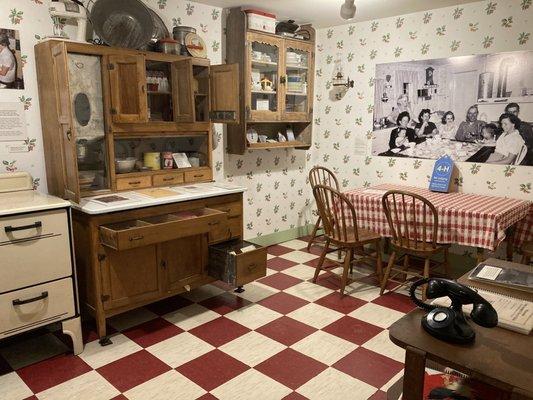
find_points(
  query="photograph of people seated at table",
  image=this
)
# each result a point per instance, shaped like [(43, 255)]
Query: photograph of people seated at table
[(472, 108)]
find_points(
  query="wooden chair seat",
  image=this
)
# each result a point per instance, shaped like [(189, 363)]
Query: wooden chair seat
[(364, 236), (420, 247)]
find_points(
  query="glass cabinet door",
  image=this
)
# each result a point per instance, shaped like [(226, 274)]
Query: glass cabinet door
[(298, 80), (264, 66), (85, 89)]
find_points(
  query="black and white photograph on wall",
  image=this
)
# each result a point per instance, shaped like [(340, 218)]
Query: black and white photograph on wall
[(472, 108), (10, 60)]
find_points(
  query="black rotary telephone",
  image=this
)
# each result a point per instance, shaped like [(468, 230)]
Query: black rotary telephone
[(449, 323)]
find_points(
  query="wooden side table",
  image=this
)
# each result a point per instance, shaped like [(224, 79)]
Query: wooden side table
[(499, 357)]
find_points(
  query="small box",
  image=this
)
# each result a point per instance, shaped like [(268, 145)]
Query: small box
[(261, 21)]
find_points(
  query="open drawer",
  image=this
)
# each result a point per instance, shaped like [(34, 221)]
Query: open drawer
[(160, 228), (228, 263)]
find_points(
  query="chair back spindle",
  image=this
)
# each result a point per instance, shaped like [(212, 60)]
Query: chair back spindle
[(322, 176), (337, 213), (413, 219)]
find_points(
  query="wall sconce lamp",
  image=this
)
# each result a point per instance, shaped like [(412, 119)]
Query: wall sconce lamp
[(340, 80)]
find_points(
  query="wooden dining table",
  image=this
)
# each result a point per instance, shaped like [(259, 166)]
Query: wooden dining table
[(466, 219)]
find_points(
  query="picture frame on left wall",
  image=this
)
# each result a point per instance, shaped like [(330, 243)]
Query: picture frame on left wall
[(11, 75)]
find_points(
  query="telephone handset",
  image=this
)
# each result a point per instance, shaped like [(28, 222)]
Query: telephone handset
[(449, 323)]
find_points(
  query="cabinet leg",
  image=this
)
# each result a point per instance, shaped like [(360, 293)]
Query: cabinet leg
[(105, 341), (239, 289), (72, 328)]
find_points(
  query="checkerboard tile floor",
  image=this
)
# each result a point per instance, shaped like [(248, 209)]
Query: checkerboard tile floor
[(283, 338)]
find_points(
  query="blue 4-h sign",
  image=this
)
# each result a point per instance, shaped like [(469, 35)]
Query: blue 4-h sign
[(442, 175)]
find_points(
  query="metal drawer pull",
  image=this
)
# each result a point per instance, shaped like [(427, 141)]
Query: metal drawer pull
[(199, 176), (168, 179), (132, 238), (19, 302), (214, 223), (251, 267), (35, 225), (134, 183)]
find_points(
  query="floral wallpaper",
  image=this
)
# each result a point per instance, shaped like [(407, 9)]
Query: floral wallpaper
[(278, 197), (344, 125)]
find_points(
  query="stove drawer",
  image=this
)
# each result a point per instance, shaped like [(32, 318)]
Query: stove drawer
[(32, 225), (33, 261), (29, 308)]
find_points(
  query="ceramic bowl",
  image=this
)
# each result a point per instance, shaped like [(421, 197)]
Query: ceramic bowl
[(125, 165)]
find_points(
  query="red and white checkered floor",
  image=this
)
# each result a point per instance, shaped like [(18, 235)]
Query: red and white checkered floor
[(283, 338)]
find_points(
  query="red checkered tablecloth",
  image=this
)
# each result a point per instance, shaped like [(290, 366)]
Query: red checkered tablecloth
[(464, 218)]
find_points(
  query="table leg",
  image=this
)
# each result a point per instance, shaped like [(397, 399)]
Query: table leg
[(413, 377), (480, 255), (510, 239)]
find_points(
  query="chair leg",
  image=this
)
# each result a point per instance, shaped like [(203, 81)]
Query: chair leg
[(447, 264), (379, 265), (426, 275), (346, 267), (387, 272), (405, 267), (321, 261), (313, 234)]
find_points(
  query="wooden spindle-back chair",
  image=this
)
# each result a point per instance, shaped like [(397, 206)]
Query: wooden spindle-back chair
[(414, 223), (320, 176), (340, 229)]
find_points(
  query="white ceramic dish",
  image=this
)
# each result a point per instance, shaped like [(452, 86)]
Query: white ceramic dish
[(125, 165)]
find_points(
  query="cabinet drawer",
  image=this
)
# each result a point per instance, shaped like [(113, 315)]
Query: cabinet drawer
[(29, 226), (35, 306), (228, 263), (233, 209), (160, 228), (168, 179), (134, 182), (200, 175)]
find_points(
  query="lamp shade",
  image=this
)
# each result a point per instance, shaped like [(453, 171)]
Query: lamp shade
[(348, 9)]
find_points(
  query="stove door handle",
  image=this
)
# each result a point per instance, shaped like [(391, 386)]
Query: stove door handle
[(35, 225)]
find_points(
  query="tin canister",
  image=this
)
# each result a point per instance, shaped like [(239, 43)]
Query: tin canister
[(168, 161), (152, 160)]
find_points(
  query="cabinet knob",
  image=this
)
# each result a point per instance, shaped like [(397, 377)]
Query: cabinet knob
[(69, 134)]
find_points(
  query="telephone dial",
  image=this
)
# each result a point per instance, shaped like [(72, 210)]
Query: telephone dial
[(449, 323)]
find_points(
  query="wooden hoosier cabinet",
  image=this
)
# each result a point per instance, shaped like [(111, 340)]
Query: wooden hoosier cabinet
[(127, 137)]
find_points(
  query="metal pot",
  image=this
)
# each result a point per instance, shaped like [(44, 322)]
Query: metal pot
[(168, 46), (286, 27), (179, 33)]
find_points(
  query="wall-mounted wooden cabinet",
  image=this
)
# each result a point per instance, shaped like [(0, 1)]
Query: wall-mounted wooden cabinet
[(276, 88), (101, 104)]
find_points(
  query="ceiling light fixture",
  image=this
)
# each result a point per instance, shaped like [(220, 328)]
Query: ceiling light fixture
[(348, 9)]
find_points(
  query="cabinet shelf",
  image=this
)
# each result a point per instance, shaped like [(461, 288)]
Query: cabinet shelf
[(296, 94), (272, 92), (278, 145), (294, 66), (267, 63)]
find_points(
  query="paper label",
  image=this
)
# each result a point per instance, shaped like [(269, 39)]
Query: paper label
[(489, 272)]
